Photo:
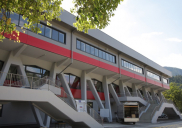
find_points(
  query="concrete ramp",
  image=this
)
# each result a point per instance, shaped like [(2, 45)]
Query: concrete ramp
[(168, 109), (50, 104)]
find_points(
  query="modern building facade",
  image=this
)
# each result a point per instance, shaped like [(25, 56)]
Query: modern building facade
[(92, 67)]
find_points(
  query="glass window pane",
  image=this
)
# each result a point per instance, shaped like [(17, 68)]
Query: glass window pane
[(54, 34), (22, 21), (87, 48), (48, 32), (113, 59), (78, 44), (41, 28), (14, 18), (92, 50), (100, 53), (107, 56), (104, 55), (61, 37), (33, 69), (96, 52), (82, 46)]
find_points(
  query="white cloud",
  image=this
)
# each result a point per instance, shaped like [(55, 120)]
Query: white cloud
[(172, 60), (174, 40), (151, 34)]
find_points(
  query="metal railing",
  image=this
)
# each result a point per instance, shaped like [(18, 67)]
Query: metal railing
[(94, 114), (16, 80)]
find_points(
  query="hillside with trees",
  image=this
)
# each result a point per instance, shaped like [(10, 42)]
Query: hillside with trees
[(174, 71)]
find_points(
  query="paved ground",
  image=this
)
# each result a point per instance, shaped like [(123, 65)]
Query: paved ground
[(160, 124)]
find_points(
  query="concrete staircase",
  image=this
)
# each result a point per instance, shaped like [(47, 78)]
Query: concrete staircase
[(49, 103), (146, 116)]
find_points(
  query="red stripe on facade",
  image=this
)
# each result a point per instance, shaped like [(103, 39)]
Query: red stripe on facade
[(33, 41)]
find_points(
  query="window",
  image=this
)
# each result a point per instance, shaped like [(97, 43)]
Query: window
[(87, 48), (82, 46), (95, 51), (92, 50), (116, 88), (78, 44), (98, 85), (14, 18), (72, 80), (154, 76), (62, 38), (165, 80), (131, 66), (22, 21), (55, 35), (46, 30), (35, 71), (1, 110)]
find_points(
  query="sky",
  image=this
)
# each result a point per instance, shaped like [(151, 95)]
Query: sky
[(150, 27)]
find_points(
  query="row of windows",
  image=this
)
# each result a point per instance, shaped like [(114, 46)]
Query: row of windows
[(46, 30), (131, 66), (152, 75), (95, 51)]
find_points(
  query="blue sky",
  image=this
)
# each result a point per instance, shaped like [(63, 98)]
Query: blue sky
[(151, 27)]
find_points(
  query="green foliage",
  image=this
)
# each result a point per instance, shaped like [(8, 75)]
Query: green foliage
[(174, 94), (93, 14), (90, 14), (174, 71), (176, 79), (34, 10)]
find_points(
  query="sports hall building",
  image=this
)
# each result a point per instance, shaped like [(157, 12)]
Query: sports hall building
[(43, 76)]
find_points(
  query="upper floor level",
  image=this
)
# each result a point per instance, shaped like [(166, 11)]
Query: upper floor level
[(94, 48)]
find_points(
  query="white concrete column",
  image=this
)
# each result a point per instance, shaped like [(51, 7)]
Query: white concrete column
[(83, 86), (94, 92), (112, 91), (53, 71), (37, 116), (144, 93), (160, 95), (67, 89), (121, 88), (153, 93), (107, 98), (134, 90), (16, 60)]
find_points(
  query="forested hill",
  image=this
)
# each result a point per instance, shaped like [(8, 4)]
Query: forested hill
[(174, 71), (176, 79)]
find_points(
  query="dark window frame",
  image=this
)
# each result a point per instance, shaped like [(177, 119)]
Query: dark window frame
[(52, 28), (2, 64), (122, 64), (34, 66), (102, 89), (98, 51), (69, 74), (154, 74), (1, 110)]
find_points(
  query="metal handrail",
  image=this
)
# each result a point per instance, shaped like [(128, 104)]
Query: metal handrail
[(16, 80)]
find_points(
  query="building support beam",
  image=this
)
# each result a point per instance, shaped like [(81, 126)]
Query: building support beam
[(145, 93), (19, 50), (47, 120), (83, 86), (107, 98), (121, 88), (134, 90), (67, 89), (94, 92), (15, 61), (37, 116), (53, 71), (91, 70), (113, 93), (62, 62)]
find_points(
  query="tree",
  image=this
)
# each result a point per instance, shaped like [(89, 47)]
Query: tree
[(174, 94), (90, 14)]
